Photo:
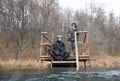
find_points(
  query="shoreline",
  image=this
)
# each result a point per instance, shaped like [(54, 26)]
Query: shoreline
[(105, 61), (98, 61), (24, 64)]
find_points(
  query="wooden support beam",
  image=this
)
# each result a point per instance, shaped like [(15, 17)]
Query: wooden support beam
[(81, 32), (76, 50), (85, 44), (88, 45), (47, 38), (41, 45), (45, 44), (85, 64), (63, 62)]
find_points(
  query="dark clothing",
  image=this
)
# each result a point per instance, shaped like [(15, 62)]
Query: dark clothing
[(72, 44), (58, 51), (71, 38)]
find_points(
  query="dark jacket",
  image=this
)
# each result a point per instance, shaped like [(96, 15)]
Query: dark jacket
[(58, 48), (72, 36)]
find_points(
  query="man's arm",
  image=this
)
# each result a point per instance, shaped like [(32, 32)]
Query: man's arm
[(52, 48), (69, 34), (63, 48)]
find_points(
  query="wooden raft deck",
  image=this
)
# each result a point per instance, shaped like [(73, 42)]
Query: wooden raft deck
[(70, 60)]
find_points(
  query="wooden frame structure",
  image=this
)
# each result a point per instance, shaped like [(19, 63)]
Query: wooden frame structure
[(83, 56), (45, 43)]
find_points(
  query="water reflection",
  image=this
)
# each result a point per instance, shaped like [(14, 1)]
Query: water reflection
[(60, 75)]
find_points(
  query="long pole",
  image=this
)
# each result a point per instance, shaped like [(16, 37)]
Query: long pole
[(76, 51)]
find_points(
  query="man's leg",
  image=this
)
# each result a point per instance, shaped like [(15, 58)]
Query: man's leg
[(73, 47), (66, 55), (52, 54)]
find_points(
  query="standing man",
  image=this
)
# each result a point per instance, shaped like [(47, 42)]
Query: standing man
[(71, 37), (58, 49)]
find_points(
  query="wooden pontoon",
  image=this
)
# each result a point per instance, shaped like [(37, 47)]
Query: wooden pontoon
[(81, 45)]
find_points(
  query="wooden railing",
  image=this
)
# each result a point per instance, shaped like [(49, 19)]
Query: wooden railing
[(81, 55), (46, 41)]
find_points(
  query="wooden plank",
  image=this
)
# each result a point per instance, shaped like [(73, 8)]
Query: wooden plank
[(45, 56), (76, 51), (81, 59), (88, 49), (81, 31), (68, 59), (45, 59), (63, 62), (47, 38), (84, 56), (41, 45)]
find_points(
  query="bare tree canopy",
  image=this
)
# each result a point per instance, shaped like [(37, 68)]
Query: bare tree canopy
[(22, 21)]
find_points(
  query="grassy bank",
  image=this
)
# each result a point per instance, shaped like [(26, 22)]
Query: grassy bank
[(23, 64), (105, 61), (97, 61)]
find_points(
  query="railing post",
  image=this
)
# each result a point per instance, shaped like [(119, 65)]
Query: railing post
[(41, 44), (87, 43)]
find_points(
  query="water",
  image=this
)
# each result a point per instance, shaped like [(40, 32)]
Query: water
[(63, 74)]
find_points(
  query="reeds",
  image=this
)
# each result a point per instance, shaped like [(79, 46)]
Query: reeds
[(97, 61), (106, 61), (11, 64)]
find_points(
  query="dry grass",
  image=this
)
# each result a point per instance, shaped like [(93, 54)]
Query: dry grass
[(105, 61), (11, 64), (97, 61)]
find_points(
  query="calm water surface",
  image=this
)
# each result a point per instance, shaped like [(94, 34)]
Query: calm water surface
[(60, 74)]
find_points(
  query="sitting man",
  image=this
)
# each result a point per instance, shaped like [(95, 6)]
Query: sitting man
[(58, 50)]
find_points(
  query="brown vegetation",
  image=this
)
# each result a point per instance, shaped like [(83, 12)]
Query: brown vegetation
[(97, 61), (23, 64), (105, 61), (22, 21)]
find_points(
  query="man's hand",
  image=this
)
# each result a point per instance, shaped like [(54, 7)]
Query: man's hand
[(69, 35)]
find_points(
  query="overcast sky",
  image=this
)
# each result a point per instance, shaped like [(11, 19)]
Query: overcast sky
[(108, 5)]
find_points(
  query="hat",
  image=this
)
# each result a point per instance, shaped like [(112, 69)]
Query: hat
[(59, 36)]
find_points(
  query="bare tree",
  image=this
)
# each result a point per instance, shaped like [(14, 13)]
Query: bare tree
[(66, 20), (22, 21), (16, 14), (82, 20), (111, 24), (47, 8)]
